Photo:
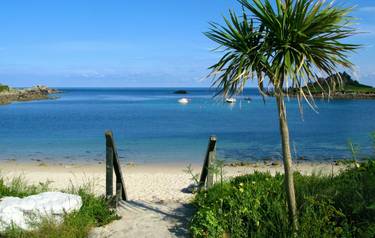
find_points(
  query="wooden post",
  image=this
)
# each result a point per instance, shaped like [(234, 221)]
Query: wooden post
[(109, 165), (112, 163), (206, 164), (118, 193), (119, 177), (210, 175)]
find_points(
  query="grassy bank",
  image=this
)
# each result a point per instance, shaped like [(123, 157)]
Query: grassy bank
[(255, 206), (94, 212)]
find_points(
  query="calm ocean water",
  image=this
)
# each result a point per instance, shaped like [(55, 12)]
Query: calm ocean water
[(150, 126)]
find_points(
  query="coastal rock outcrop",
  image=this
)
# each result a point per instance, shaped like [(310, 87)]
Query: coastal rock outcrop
[(8, 95), (336, 86), (180, 92)]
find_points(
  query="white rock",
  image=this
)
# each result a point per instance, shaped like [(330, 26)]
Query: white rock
[(23, 211)]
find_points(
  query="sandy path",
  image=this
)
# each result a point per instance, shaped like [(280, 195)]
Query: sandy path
[(147, 220)]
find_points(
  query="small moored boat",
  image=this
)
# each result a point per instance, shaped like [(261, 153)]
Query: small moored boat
[(230, 100), (183, 101), (247, 99)]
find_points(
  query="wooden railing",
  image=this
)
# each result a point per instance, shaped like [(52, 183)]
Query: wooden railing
[(207, 177), (113, 164)]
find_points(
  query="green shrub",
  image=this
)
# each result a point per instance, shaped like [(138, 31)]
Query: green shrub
[(255, 206), (18, 188), (4, 88)]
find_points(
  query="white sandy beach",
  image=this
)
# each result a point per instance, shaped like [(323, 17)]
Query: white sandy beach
[(143, 182)]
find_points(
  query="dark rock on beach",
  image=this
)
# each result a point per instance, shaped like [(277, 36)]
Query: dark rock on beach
[(9, 95)]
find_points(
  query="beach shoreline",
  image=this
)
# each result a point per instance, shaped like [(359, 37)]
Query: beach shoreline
[(146, 182)]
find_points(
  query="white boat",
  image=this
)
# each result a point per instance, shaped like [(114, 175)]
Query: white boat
[(183, 101), (230, 100), (248, 99)]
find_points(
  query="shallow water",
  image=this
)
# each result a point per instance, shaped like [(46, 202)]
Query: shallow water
[(150, 126)]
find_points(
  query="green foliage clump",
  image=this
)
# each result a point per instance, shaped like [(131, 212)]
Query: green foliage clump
[(94, 212), (4, 88), (18, 188), (255, 205)]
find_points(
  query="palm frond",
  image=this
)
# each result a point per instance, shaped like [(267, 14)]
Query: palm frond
[(290, 45), (242, 42), (305, 37)]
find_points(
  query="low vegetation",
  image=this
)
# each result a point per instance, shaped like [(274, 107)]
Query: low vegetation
[(94, 212), (4, 88), (254, 205)]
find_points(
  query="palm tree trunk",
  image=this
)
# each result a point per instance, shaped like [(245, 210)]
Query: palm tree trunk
[(287, 158)]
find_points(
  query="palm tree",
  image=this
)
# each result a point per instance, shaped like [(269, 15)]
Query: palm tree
[(289, 44)]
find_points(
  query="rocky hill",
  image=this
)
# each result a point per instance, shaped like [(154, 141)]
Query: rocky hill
[(345, 87)]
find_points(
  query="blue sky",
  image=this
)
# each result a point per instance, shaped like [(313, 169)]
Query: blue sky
[(123, 43)]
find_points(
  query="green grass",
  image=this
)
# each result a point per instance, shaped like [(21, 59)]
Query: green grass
[(18, 188), (94, 212), (255, 206)]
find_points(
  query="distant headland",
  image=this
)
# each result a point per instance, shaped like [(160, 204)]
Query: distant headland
[(338, 86), (9, 95)]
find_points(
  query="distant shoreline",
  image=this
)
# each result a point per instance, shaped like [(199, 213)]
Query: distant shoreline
[(19, 94), (339, 96)]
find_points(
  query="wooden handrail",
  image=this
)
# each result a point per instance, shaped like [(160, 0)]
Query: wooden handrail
[(113, 164), (206, 177)]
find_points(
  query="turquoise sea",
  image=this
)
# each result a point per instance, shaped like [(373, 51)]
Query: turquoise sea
[(150, 126)]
